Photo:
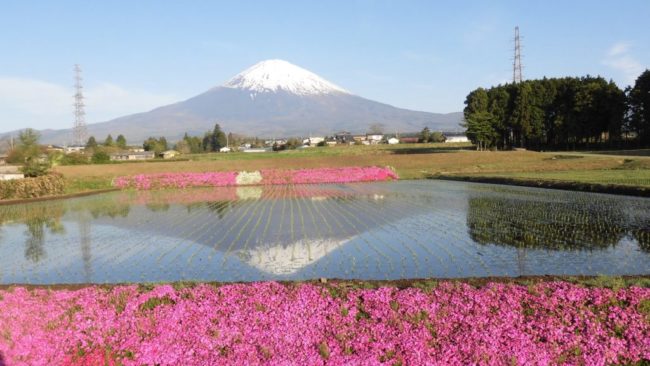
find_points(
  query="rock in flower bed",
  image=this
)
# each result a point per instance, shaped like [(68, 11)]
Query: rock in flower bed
[(307, 324), (264, 177)]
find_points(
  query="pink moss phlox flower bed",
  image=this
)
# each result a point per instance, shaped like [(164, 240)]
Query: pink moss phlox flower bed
[(328, 175), (269, 177), (177, 180), (305, 324)]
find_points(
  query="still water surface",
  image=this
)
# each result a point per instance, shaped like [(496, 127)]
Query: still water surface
[(406, 229)]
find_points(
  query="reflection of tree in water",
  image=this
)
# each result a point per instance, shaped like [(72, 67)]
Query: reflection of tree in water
[(86, 254), (37, 217), (158, 207), (101, 206), (110, 209), (34, 248), (221, 208), (642, 236), (545, 225)]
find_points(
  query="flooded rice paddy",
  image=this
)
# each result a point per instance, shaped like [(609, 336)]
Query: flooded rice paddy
[(406, 229)]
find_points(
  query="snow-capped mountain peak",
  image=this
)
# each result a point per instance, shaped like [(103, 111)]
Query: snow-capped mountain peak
[(279, 75)]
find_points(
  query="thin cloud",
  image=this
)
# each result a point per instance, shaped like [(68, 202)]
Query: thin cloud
[(620, 59), (42, 105)]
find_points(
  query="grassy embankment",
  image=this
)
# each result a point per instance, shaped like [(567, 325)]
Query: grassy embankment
[(413, 161), (600, 281)]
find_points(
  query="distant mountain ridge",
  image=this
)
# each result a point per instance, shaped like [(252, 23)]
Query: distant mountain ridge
[(273, 98)]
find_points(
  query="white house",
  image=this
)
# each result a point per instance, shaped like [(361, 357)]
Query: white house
[(169, 154), (375, 138), (393, 141), (456, 137), (73, 149), (225, 149), (130, 155), (313, 141)]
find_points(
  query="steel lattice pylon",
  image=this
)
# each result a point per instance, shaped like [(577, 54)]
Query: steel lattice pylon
[(79, 130)]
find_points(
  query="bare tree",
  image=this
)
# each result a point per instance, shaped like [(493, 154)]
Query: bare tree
[(376, 128)]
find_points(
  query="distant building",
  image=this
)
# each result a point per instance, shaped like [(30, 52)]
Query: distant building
[(393, 141), (330, 143), (456, 137), (3, 159), (131, 155), (409, 140), (257, 150), (225, 149), (359, 138), (374, 138), (55, 148), (275, 142), (313, 141), (11, 173), (74, 149), (169, 154), (136, 149), (343, 137)]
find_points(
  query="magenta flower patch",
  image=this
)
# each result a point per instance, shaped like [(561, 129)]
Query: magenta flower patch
[(268, 177), (269, 323)]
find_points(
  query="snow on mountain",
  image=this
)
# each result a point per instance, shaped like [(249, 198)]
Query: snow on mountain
[(279, 75)]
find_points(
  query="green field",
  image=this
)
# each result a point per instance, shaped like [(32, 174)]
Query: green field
[(411, 161)]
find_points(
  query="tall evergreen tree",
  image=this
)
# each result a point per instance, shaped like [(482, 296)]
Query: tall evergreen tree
[(121, 142), (639, 107), (217, 139), (92, 143), (425, 134), (109, 141)]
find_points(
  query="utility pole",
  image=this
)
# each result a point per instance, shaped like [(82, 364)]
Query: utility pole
[(517, 76), (79, 130)]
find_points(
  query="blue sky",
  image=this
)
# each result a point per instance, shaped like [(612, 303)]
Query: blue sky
[(422, 55)]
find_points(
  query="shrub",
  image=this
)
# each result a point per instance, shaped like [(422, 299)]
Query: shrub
[(46, 185), (74, 159), (100, 157), (36, 168)]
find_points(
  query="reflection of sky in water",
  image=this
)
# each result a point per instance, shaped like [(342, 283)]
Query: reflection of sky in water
[(409, 229)]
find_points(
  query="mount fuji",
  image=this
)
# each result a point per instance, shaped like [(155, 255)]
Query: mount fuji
[(273, 98)]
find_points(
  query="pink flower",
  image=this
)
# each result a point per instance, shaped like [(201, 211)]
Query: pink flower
[(271, 323), (269, 177)]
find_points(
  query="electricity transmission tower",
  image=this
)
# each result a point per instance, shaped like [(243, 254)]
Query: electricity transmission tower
[(79, 130), (517, 76)]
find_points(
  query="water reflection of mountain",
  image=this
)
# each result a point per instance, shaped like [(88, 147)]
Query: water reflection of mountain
[(278, 230), (558, 223), (386, 230)]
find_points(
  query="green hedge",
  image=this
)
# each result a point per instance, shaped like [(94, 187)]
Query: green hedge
[(47, 185)]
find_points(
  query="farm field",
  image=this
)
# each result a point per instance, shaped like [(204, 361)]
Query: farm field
[(637, 177), (414, 161)]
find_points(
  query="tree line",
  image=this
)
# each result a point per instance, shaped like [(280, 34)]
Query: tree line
[(559, 113)]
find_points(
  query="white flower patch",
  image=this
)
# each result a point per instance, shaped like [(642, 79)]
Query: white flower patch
[(249, 178), (249, 193)]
